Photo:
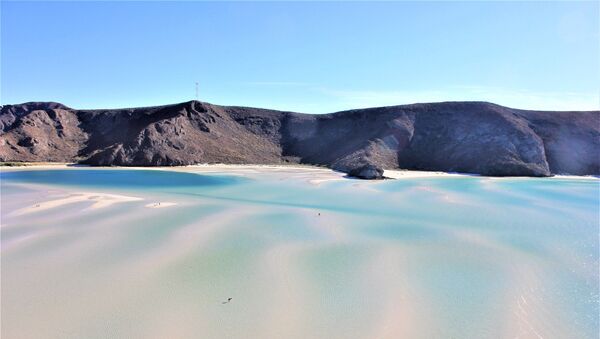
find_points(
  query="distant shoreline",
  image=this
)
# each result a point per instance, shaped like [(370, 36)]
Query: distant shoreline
[(322, 173), (361, 143)]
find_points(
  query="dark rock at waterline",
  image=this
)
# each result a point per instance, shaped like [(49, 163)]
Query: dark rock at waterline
[(469, 137), (367, 171)]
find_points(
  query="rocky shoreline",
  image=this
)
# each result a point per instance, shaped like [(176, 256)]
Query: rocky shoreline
[(468, 137)]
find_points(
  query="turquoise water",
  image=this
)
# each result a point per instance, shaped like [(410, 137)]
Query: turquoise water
[(122, 179), (447, 257)]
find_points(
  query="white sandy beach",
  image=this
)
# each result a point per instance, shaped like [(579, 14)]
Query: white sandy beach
[(312, 174)]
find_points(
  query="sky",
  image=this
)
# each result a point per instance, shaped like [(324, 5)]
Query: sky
[(312, 57)]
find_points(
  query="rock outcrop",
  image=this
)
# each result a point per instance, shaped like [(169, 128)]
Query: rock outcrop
[(469, 137)]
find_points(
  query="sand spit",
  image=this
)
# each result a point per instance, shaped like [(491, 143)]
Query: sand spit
[(310, 174), (160, 204), (98, 200), (405, 174)]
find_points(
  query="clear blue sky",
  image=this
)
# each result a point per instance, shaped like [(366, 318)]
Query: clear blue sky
[(310, 57)]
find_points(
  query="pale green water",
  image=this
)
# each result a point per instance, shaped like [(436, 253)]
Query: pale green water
[(463, 257)]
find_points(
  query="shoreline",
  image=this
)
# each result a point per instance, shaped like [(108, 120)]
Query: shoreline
[(326, 174)]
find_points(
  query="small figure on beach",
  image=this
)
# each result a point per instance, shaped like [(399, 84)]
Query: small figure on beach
[(319, 213), (226, 302)]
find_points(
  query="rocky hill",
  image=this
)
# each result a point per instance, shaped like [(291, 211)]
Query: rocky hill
[(470, 137)]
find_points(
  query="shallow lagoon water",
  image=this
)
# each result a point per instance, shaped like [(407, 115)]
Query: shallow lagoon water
[(456, 257)]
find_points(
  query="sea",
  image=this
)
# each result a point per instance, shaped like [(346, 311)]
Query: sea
[(140, 253)]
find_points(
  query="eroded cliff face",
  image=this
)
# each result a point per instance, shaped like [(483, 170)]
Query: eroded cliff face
[(180, 134), (571, 140), (470, 137), (484, 138), (40, 132)]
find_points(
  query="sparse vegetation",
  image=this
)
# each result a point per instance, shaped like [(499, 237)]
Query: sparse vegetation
[(14, 163)]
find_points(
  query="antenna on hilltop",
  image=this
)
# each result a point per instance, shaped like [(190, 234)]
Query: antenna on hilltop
[(197, 98)]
